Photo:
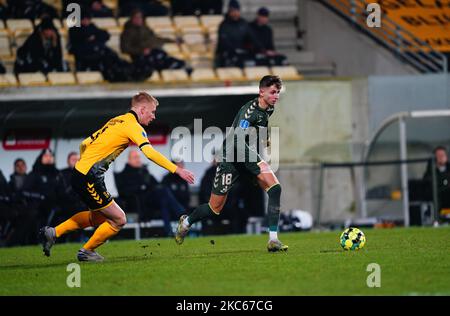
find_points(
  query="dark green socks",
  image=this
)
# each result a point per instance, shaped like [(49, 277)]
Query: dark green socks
[(200, 213), (273, 211)]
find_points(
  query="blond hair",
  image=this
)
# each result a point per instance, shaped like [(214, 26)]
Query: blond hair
[(143, 97)]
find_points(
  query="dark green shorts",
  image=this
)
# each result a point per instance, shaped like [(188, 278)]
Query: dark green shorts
[(228, 172)]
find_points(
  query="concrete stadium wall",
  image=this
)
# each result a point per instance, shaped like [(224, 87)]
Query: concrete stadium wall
[(333, 40), (389, 95)]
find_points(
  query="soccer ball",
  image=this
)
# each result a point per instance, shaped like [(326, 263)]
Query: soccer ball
[(352, 239)]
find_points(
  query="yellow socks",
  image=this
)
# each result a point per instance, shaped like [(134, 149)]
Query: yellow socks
[(79, 221), (101, 234)]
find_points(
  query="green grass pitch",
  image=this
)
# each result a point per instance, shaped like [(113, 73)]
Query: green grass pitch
[(413, 261)]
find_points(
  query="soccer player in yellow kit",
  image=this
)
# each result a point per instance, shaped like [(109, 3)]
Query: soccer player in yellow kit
[(96, 154)]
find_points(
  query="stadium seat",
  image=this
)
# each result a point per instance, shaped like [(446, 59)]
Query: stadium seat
[(211, 23), (61, 78), (286, 72), (122, 20), (174, 75), (187, 25), (154, 78), (203, 75), (195, 42), (159, 22), (5, 49), (89, 77), (8, 80), (19, 24), (230, 73), (105, 23), (256, 73), (171, 48), (32, 79), (2, 25)]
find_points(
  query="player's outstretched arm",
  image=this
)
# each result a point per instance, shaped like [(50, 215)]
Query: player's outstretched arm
[(162, 161), (186, 175)]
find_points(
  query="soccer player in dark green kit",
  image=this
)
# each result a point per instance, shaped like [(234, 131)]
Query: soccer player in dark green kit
[(252, 117)]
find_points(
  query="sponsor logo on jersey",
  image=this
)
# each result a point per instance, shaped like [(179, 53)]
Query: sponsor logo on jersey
[(244, 124)]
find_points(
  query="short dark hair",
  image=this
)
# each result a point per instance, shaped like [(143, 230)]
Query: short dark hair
[(19, 160), (72, 153), (440, 147), (269, 80)]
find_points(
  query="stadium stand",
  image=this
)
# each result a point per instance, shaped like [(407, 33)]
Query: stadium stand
[(256, 73), (61, 78), (8, 81), (203, 75), (174, 76), (32, 79), (89, 77), (230, 74), (287, 72)]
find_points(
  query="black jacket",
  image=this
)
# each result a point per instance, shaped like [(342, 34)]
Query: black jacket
[(134, 181), (234, 35), (37, 54), (81, 46), (263, 37), (179, 187)]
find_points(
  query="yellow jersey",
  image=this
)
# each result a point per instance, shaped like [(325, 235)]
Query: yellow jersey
[(101, 148)]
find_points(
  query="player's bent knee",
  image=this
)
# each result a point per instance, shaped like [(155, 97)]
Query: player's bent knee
[(275, 191), (216, 207)]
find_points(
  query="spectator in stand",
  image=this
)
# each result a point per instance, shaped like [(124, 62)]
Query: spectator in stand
[(41, 51), (264, 50), (31, 9), (44, 191), (2, 68), (144, 47), (100, 10), (142, 192), (148, 7), (196, 7), (72, 204), (17, 178), (234, 37), (88, 44), (179, 187), (442, 176)]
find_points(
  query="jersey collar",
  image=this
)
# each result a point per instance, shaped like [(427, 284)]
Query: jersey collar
[(256, 103), (135, 115)]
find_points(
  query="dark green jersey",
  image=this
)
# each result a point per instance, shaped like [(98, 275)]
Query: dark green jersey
[(248, 134)]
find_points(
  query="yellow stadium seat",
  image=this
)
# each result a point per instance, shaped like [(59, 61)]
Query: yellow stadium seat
[(159, 22), (122, 20), (5, 49), (89, 77), (19, 24), (203, 75), (211, 21), (154, 78), (230, 73), (256, 73), (286, 72), (187, 24), (8, 80), (32, 79), (174, 75), (195, 43), (105, 23), (171, 48), (61, 78)]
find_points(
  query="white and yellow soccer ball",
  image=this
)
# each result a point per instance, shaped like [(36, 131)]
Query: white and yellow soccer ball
[(352, 239)]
